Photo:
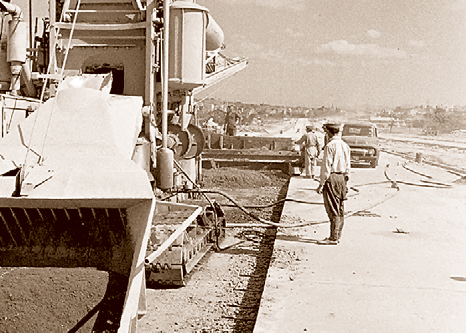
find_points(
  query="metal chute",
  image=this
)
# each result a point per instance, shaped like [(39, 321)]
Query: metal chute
[(75, 197)]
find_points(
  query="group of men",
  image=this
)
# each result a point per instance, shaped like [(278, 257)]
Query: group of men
[(334, 170), (334, 174)]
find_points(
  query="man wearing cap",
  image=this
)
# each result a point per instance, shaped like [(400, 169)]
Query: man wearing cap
[(334, 175), (311, 149)]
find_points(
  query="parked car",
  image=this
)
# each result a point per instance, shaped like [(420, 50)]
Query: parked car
[(362, 137)]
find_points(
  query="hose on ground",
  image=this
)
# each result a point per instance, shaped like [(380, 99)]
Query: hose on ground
[(274, 224), (430, 181), (275, 203), (431, 184), (254, 216), (198, 189), (422, 185), (204, 193), (416, 172)]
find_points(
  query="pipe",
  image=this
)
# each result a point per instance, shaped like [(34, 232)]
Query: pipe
[(165, 155), (165, 168), (166, 25), (26, 75), (15, 85), (16, 37), (31, 35), (16, 55)]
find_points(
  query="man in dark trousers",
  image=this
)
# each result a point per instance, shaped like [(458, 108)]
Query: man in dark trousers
[(310, 150), (231, 120), (334, 175)]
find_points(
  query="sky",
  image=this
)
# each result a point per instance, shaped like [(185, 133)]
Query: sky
[(345, 53), (311, 53)]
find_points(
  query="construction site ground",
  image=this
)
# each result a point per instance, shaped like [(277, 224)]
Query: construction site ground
[(223, 292), (399, 267)]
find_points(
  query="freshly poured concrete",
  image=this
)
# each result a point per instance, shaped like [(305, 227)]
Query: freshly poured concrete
[(400, 266)]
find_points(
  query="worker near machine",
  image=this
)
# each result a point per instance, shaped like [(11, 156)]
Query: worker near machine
[(334, 175), (310, 149), (231, 121)]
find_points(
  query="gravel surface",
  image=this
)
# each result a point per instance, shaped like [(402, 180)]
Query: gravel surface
[(223, 291)]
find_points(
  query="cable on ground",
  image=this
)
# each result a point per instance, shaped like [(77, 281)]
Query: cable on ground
[(274, 224), (430, 183), (204, 193), (214, 212)]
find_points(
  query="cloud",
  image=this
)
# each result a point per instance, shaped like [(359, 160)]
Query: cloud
[(295, 5), (342, 47), (417, 43), (257, 51), (458, 5), (250, 47), (299, 61), (373, 33), (295, 34)]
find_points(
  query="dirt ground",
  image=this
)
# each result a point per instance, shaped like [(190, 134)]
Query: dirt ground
[(49, 299), (222, 293)]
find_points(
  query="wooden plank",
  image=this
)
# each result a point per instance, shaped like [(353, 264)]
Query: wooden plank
[(151, 257), (219, 141)]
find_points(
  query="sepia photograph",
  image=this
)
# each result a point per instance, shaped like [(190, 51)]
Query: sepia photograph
[(232, 166)]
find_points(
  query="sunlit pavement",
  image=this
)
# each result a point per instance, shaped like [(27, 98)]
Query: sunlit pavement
[(400, 265)]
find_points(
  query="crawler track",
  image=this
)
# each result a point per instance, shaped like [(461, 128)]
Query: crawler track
[(223, 292)]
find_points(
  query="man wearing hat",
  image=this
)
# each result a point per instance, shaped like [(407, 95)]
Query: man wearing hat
[(334, 175), (311, 149)]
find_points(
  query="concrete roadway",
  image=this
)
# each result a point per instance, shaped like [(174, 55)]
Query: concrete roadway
[(400, 265)]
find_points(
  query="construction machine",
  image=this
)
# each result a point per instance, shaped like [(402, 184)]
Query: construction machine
[(98, 134)]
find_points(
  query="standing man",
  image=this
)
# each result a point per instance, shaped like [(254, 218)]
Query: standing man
[(334, 175), (231, 120), (310, 150)]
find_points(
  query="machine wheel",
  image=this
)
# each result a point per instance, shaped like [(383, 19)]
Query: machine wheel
[(198, 142), (374, 163), (179, 141)]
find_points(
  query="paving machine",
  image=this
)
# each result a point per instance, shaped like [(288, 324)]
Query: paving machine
[(98, 125)]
